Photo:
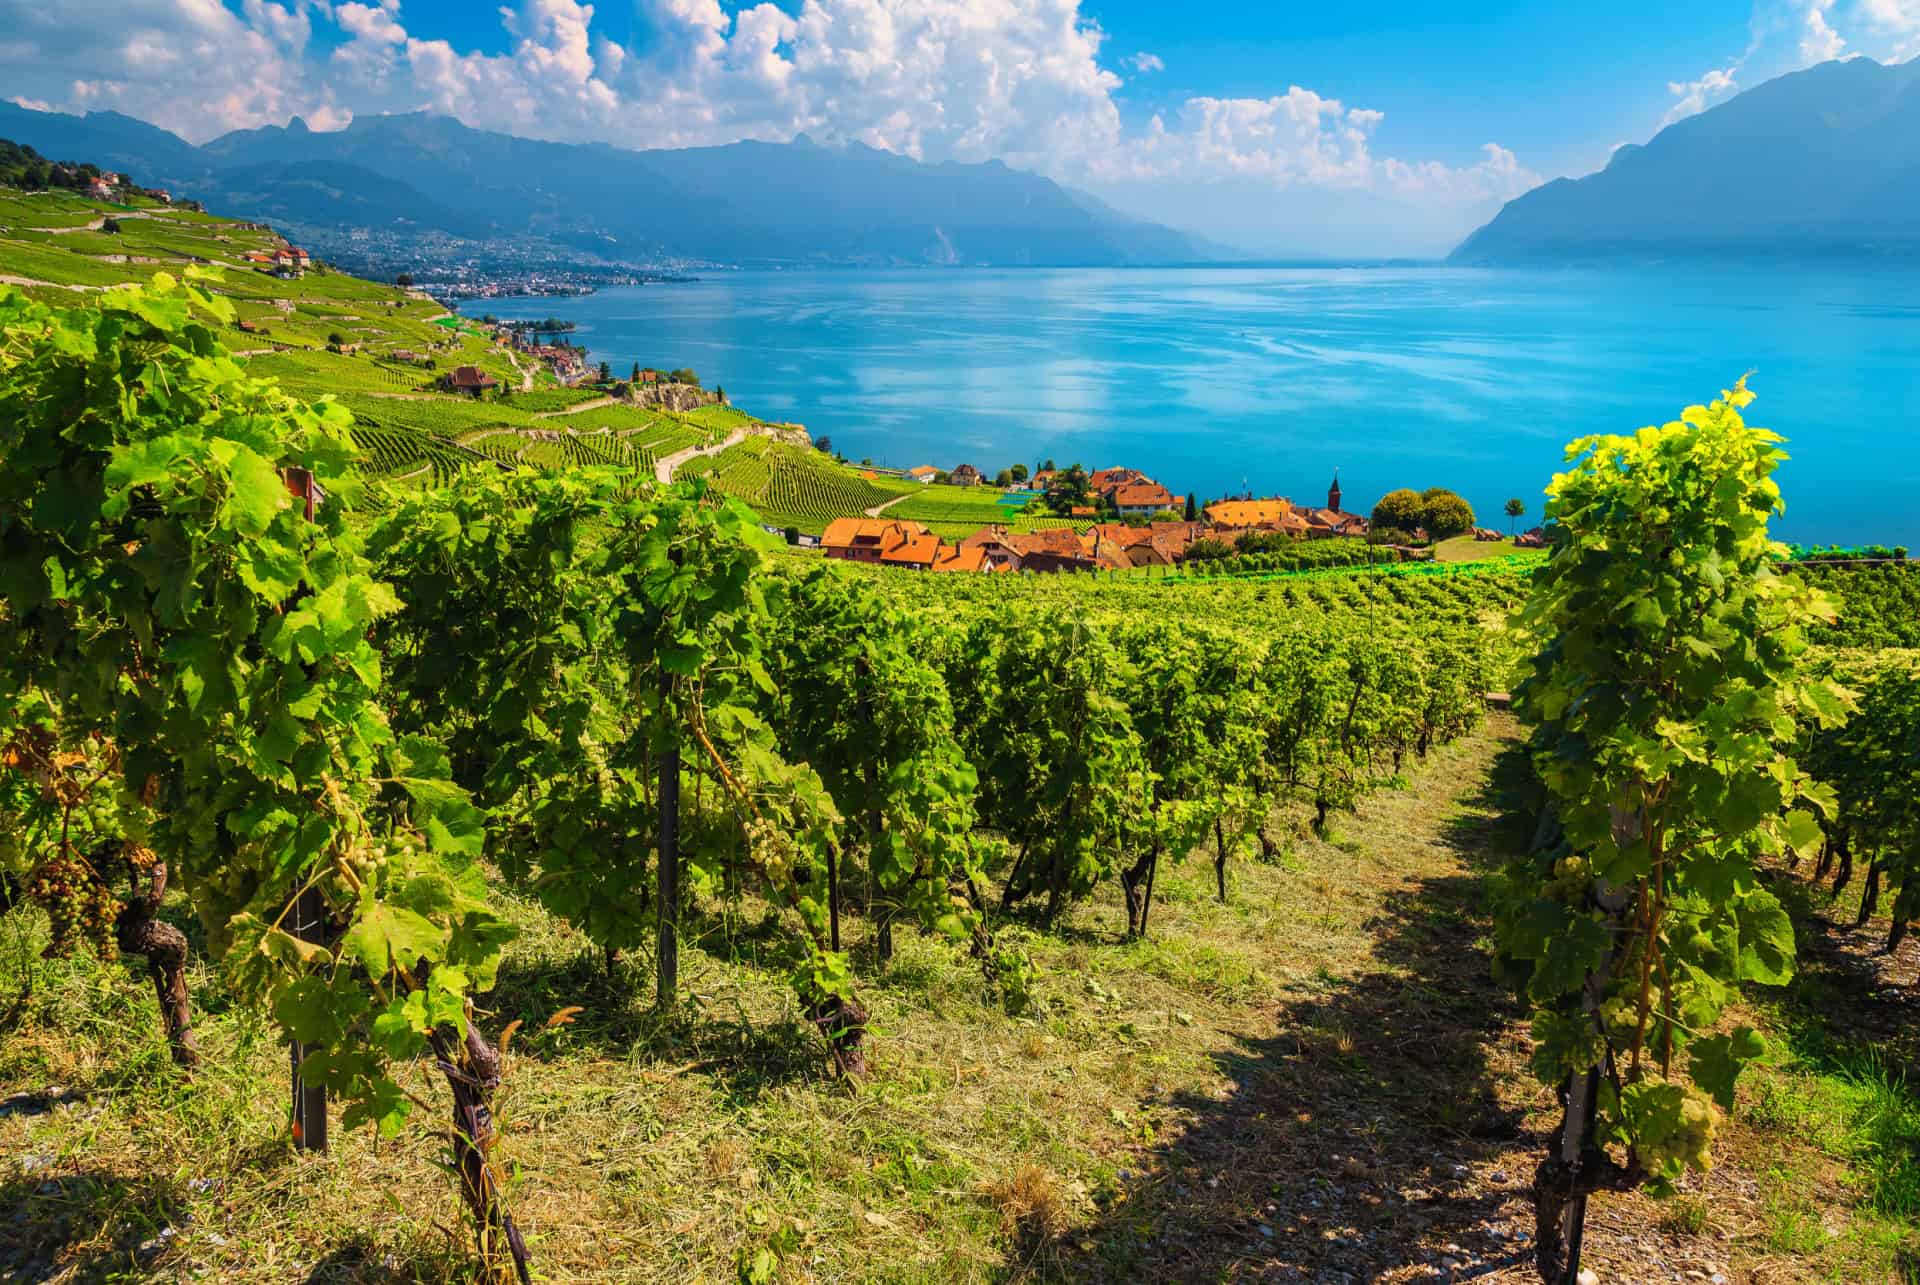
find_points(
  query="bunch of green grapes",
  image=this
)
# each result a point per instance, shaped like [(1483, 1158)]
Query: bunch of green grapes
[(1678, 1135), (83, 909)]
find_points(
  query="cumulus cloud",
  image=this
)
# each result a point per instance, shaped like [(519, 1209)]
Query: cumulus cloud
[(1896, 22), (1819, 42), (194, 66), (1691, 97), (1026, 81)]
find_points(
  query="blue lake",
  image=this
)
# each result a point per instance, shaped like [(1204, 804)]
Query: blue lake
[(1224, 380)]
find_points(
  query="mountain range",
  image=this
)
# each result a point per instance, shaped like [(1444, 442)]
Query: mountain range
[(420, 175), (1824, 161)]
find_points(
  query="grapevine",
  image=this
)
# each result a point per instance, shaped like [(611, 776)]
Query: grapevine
[(1665, 697)]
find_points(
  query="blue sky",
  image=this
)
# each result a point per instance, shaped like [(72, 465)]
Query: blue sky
[(1389, 128)]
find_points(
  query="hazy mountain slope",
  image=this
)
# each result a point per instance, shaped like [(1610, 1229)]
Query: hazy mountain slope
[(107, 139), (1823, 161), (330, 194), (744, 202)]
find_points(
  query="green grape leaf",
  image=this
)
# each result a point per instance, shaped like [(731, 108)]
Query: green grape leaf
[(1715, 1063)]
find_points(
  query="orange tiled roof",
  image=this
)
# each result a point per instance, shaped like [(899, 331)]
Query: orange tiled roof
[(1249, 512), (1060, 542), (1144, 495), (917, 549), (843, 533), (964, 558)]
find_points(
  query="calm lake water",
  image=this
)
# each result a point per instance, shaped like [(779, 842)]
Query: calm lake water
[(1267, 380)]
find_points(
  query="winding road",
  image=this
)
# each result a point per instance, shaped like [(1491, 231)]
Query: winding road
[(664, 466)]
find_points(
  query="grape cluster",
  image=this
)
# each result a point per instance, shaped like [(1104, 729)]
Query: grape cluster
[(141, 858), (82, 908)]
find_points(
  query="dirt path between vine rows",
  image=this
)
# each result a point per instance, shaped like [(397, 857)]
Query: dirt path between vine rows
[(884, 505), (1380, 1124), (591, 404), (664, 466)]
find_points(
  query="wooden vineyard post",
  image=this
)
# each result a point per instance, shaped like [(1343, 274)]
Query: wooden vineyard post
[(309, 924), (1576, 1153), (668, 957)]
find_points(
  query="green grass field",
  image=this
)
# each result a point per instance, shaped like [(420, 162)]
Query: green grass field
[(1317, 1080), (979, 505)]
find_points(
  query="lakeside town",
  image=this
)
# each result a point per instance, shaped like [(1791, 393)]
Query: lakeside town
[(1128, 520)]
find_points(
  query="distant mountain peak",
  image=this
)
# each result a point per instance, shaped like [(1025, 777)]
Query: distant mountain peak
[(746, 202), (1823, 161)]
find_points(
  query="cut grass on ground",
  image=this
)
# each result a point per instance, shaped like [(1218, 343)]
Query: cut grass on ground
[(1316, 1081)]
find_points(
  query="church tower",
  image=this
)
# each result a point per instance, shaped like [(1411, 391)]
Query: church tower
[(1333, 492)]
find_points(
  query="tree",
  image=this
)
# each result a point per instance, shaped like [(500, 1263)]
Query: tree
[(823, 444), (635, 378), (1664, 699), (335, 338), (1068, 490), (404, 280), (1193, 510), (1515, 509), (1004, 478), (1402, 510), (606, 373), (1444, 513), (1020, 473)]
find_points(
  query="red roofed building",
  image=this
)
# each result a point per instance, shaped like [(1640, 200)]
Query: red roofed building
[(470, 380), (919, 550), (1140, 499), (995, 548), (1057, 549), (1331, 521), (869, 539), (1108, 480), (963, 558), (1161, 545)]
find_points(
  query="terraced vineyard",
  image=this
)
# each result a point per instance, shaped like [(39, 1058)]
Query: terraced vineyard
[(403, 454), (722, 418), (791, 485)]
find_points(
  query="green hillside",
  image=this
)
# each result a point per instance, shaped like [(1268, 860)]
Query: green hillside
[(792, 486), (375, 348), (379, 350)]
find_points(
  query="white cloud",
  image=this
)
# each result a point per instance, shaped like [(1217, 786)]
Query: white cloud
[(968, 80), (1892, 15), (370, 23), (1896, 23), (1819, 42), (1691, 97), (190, 65)]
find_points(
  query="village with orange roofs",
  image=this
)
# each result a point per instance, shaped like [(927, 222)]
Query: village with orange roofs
[(1147, 535)]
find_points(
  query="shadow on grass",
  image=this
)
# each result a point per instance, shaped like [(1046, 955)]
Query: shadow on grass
[(1840, 998), (84, 1227), (708, 1033), (363, 1262), (1347, 1144)]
